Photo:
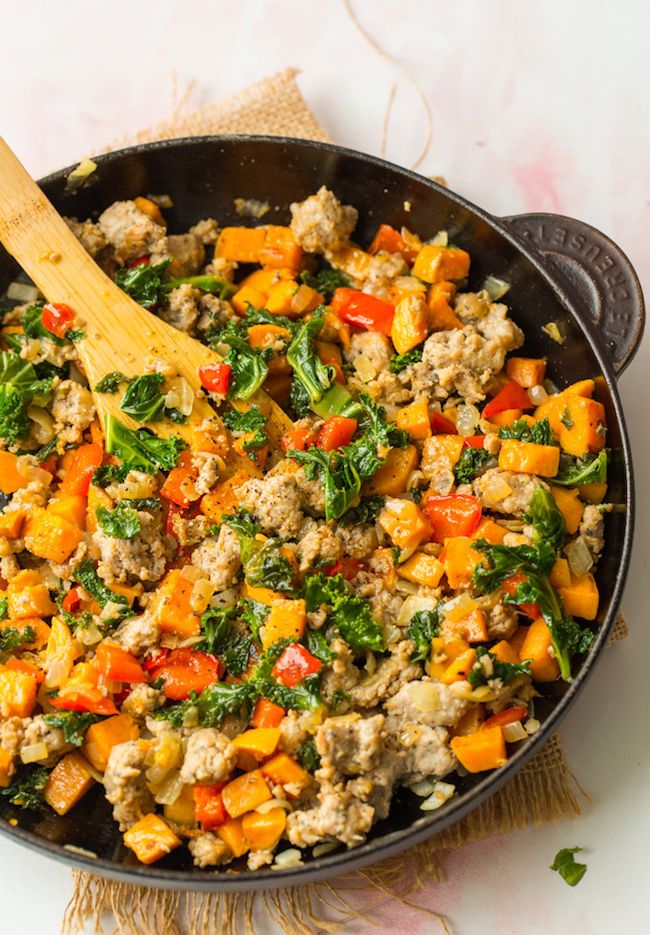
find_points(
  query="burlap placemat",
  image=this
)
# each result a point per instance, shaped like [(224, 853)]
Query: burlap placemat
[(544, 790)]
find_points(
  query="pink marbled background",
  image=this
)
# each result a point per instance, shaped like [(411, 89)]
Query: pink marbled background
[(537, 105)]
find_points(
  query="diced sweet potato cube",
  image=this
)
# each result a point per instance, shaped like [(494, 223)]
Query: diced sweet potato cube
[(17, 693), (245, 793), (70, 779), (486, 749), (151, 838), (260, 741), (100, 738)]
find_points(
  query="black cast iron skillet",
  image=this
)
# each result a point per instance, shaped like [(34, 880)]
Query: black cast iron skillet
[(559, 269)]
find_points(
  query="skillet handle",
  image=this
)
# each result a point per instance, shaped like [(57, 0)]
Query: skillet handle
[(597, 271)]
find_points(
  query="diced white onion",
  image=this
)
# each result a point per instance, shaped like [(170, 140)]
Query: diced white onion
[(325, 848), (423, 788), (169, 790), (370, 663), (554, 331), (111, 609), (364, 368), (496, 488), (58, 668), (403, 586), (532, 725), (191, 573), (442, 481), (292, 857), (43, 429), (81, 851), (537, 394), (159, 365), (34, 752), (274, 803), (172, 400), (579, 556), (184, 395), (440, 240), (495, 288), (467, 418), (80, 173), (459, 607), (224, 598), (411, 606), (22, 292), (201, 593), (443, 791), (514, 732), (423, 695), (90, 635)]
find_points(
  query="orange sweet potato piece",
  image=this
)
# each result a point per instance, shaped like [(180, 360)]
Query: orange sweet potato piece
[(245, 793), (529, 458), (50, 536), (581, 597), (6, 768), (17, 692), (260, 741), (410, 323), (151, 838), (11, 478), (415, 420), (223, 499), (70, 779), (460, 560), (287, 620), (101, 737), (280, 249), (486, 749), (262, 832), (11, 523), (442, 317), (172, 608), (283, 769), (535, 646), (436, 263), (526, 371), (392, 476), (242, 244), (232, 834), (27, 596)]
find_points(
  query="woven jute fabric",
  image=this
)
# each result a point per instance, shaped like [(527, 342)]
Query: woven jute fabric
[(544, 790)]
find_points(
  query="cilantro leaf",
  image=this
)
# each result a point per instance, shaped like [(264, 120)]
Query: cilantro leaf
[(140, 448), (472, 462), (349, 613), (74, 724), (568, 867), (122, 522)]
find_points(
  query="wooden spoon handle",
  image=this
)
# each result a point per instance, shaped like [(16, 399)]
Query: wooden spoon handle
[(38, 238)]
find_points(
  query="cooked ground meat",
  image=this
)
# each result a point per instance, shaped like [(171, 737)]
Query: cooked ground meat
[(73, 410), (219, 558), (39, 731), (125, 783), (391, 673), (340, 675), (492, 490), (89, 234), (350, 744), (340, 814), (142, 701), (592, 529), (318, 545), (210, 757), (187, 253), (141, 558), (275, 501), (133, 234), (208, 850), (181, 309), (137, 634), (12, 731), (321, 223)]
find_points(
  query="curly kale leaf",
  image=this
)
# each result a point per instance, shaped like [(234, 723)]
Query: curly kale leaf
[(87, 577), (423, 626), (326, 281), (589, 470), (399, 362), (472, 462), (122, 522), (111, 382), (74, 724), (12, 638), (488, 668), (348, 613), (546, 518), (540, 433), (221, 637), (308, 756), (144, 283), (26, 789), (254, 615), (142, 450), (144, 401), (366, 512), (251, 423)]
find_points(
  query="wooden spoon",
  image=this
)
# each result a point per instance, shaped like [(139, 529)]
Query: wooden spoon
[(120, 334)]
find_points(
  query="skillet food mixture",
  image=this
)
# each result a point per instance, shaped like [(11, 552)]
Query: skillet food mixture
[(252, 662)]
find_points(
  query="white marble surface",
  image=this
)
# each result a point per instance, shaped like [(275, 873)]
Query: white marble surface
[(537, 105)]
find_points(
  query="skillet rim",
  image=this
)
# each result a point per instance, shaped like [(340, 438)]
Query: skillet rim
[(393, 842)]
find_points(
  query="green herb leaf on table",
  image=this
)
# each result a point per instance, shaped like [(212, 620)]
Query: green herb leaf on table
[(566, 865)]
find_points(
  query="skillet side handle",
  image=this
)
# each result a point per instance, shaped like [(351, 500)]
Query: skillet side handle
[(598, 271)]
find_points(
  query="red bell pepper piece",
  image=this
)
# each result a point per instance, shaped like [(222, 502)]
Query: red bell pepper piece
[(507, 716), (452, 515), (152, 662), (348, 567), (266, 713), (336, 432), (474, 441), (510, 586), (140, 261), (391, 241), (57, 318), (80, 470), (83, 698), (363, 310), (209, 810), (117, 664), (72, 600), (215, 378), (512, 396), (442, 426), (295, 664), (297, 440), (185, 671)]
